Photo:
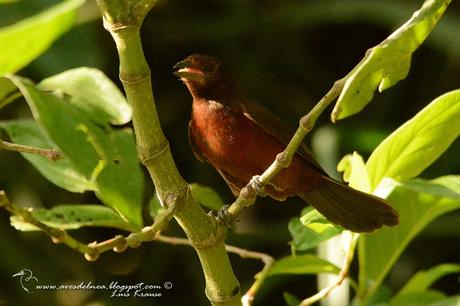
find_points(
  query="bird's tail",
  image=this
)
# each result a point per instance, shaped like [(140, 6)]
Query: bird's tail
[(350, 208)]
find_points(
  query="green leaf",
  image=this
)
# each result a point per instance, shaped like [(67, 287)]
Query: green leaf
[(310, 230), (290, 299), (419, 298), (417, 143), (418, 202), (155, 206), (424, 279), (355, 172), (206, 196), (102, 155), (302, 264), (450, 301), (389, 62), (7, 92), (24, 41), (92, 92), (63, 124), (61, 172), (70, 217), (380, 298)]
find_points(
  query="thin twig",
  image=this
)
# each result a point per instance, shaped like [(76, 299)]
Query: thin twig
[(249, 296), (57, 235), (248, 194), (51, 154), (94, 249), (243, 253), (342, 275)]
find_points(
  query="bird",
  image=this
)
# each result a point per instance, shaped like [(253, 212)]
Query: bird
[(240, 138)]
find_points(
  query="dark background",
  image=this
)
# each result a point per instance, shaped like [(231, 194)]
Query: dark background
[(286, 55)]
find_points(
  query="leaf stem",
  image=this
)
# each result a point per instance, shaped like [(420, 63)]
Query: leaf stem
[(51, 154), (342, 274)]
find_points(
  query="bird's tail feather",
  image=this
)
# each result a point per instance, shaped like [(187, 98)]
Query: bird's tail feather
[(350, 208)]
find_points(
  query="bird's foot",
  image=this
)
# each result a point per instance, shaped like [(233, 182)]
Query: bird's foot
[(224, 217), (257, 185)]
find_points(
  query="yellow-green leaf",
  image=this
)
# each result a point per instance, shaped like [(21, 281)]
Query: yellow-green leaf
[(387, 63)]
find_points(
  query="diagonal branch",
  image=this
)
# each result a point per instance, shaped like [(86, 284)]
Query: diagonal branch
[(92, 250), (51, 154), (343, 274), (248, 194)]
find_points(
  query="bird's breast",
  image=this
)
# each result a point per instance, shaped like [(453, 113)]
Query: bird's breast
[(238, 147), (215, 130)]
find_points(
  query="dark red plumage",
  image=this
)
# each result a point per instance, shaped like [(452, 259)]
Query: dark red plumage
[(241, 138)]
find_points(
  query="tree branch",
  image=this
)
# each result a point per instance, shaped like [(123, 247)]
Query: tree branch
[(57, 235), (123, 20), (51, 154), (342, 275), (248, 194), (243, 253), (94, 249)]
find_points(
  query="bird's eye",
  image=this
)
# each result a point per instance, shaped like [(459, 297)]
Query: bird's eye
[(210, 67)]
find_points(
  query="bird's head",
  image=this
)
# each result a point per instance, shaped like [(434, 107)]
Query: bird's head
[(205, 76)]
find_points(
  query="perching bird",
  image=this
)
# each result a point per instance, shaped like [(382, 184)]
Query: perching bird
[(241, 138)]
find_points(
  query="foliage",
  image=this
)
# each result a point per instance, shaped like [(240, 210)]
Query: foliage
[(63, 120)]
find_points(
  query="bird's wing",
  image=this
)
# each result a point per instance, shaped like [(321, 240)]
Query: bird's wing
[(195, 149), (234, 184), (273, 125)]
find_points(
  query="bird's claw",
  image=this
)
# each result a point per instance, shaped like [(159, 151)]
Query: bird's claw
[(257, 185), (224, 217)]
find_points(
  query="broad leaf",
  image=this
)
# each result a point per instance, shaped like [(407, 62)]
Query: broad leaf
[(302, 264), (389, 62), (290, 299), (104, 156), (418, 202), (206, 196), (61, 172), (155, 206), (420, 298), (417, 143), (424, 279), (7, 92), (310, 230), (450, 301), (70, 217), (355, 172), (91, 91), (24, 41)]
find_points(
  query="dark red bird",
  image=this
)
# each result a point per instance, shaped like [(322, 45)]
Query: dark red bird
[(241, 138)]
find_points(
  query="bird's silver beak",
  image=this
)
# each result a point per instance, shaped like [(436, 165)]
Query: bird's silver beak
[(187, 72), (183, 64)]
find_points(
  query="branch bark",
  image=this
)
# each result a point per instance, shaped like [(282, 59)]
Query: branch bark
[(123, 20), (51, 154), (248, 194)]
